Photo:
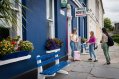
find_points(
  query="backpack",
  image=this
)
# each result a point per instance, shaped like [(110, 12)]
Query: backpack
[(110, 41)]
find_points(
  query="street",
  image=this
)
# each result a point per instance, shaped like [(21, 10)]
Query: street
[(94, 70)]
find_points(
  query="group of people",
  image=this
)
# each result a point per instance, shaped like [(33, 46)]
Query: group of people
[(76, 45)]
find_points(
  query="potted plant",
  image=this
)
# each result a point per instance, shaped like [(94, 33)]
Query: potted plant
[(53, 44), (83, 40), (25, 46), (6, 49), (9, 48)]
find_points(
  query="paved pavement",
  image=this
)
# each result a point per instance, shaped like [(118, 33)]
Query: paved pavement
[(93, 70)]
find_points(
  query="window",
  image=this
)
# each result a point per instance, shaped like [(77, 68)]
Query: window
[(97, 10), (50, 18), (14, 30), (50, 10), (4, 33)]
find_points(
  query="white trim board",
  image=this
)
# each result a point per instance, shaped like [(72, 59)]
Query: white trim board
[(3, 62), (52, 51)]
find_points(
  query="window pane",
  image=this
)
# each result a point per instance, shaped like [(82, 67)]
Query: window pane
[(50, 9), (4, 33)]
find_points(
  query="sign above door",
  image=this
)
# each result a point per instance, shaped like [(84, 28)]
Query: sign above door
[(80, 12)]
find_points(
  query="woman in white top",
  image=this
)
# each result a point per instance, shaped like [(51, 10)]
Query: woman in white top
[(104, 45), (74, 42)]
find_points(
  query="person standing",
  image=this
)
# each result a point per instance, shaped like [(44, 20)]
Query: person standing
[(104, 45), (74, 42), (92, 41)]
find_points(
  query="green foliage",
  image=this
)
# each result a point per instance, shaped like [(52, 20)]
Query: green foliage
[(116, 38), (26, 46), (58, 42), (11, 45), (7, 13), (108, 24), (83, 40), (53, 44), (6, 47)]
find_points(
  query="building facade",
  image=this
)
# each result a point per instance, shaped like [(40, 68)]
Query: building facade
[(116, 28), (48, 19), (95, 18), (80, 22), (44, 19)]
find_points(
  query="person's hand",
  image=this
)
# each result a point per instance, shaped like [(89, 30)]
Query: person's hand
[(101, 41), (86, 42)]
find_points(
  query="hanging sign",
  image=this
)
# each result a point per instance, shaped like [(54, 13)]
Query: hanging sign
[(80, 12), (64, 3)]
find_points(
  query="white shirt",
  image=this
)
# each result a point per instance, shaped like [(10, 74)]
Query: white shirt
[(104, 38), (74, 37)]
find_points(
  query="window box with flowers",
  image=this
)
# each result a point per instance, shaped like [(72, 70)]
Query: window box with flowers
[(11, 48), (53, 45)]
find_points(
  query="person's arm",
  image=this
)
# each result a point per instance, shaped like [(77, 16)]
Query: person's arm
[(101, 39), (87, 41)]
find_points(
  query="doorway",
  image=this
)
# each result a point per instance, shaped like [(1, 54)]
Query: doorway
[(69, 27)]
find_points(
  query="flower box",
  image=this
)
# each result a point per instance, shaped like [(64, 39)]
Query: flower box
[(14, 55), (53, 43)]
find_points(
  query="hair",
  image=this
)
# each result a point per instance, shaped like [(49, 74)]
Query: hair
[(105, 31), (92, 33), (74, 30)]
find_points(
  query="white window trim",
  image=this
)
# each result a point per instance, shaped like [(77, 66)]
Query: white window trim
[(19, 21), (50, 21), (19, 33)]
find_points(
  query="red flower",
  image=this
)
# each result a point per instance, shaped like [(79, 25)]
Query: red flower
[(13, 42)]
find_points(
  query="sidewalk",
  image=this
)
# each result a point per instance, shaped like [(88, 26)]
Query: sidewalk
[(90, 70)]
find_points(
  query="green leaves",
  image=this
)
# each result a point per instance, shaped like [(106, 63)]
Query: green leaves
[(116, 38), (6, 47), (8, 11), (26, 46), (107, 23)]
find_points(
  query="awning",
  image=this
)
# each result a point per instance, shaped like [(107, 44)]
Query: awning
[(78, 3)]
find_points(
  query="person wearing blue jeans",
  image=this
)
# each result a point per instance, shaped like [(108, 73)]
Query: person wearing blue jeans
[(74, 42), (73, 48), (91, 42), (91, 52)]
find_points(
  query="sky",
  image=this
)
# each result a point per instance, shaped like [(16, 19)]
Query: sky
[(111, 8)]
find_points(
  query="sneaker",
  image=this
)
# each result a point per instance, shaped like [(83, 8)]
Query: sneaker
[(90, 59), (108, 63), (95, 60)]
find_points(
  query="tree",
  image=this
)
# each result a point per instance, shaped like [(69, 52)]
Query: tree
[(108, 24)]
